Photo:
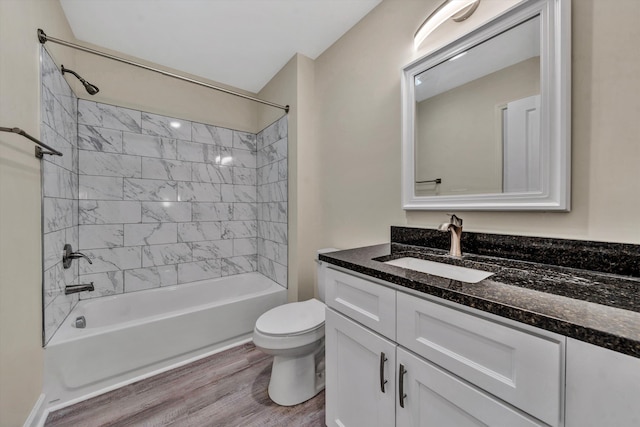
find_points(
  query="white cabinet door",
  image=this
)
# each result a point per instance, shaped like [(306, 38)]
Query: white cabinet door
[(433, 397), (357, 373), (603, 387)]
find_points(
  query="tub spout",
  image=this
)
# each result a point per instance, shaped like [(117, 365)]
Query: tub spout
[(72, 289), (455, 227)]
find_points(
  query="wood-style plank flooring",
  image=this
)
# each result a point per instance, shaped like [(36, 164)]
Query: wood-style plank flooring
[(226, 389)]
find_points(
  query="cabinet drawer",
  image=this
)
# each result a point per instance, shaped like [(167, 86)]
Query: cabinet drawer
[(368, 303), (521, 368)]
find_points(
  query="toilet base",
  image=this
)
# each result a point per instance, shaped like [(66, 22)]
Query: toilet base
[(296, 379)]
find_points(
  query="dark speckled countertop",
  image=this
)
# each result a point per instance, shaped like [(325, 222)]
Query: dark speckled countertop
[(597, 307)]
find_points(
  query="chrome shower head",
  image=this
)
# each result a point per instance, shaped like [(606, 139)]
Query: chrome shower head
[(91, 89)]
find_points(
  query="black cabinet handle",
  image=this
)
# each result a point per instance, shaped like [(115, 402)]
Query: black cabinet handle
[(382, 380), (401, 393)]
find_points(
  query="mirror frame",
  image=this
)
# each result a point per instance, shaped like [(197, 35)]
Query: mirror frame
[(555, 119)]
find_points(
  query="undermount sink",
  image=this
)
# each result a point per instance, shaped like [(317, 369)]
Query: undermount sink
[(453, 272)]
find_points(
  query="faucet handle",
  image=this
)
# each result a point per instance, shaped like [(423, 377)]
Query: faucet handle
[(76, 255), (455, 220), (69, 256)]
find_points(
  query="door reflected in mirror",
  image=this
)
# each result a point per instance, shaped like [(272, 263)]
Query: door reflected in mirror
[(477, 118)]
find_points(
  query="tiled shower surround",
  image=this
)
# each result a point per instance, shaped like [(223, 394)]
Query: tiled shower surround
[(58, 129), (164, 201), (272, 201)]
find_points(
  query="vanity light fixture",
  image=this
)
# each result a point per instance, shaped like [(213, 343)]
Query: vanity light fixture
[(175, 125), (458, 10)]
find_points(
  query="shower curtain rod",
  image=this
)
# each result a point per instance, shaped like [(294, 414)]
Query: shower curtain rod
[(39, 151), (43, 38)]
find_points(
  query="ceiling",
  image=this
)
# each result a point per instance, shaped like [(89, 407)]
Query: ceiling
[(242, 43)]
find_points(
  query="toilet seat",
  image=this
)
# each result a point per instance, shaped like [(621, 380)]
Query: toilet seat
[(292, 319)]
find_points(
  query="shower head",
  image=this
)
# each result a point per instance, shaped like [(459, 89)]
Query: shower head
[(91, 89)]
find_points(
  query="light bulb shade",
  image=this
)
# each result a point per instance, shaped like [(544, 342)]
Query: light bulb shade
[(445, 11)]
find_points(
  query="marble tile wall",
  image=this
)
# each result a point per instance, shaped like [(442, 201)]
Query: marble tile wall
[(272, 201), (163, 201), (58, 128), (153, 200)]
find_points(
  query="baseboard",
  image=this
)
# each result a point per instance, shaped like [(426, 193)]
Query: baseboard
[(37, 413)]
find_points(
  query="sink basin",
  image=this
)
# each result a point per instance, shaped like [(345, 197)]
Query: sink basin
[(462, 274)]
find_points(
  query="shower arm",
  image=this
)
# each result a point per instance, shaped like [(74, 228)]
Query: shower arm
[(66, 70), (43, 38)]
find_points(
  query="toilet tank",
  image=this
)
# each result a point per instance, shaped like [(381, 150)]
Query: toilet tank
[(322, 266)]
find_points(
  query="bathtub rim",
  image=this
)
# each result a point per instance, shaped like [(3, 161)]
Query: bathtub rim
[(64, 333)]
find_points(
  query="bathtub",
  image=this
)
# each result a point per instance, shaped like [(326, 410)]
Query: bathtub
[(131, 336)]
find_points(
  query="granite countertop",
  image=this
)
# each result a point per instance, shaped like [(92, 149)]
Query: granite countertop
[(599, 308)]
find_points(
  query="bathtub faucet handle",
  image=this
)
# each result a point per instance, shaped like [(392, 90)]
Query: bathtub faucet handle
[(75, 255), (69, 255)]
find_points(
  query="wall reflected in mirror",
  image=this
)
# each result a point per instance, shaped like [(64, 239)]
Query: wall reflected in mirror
[(477, 124)]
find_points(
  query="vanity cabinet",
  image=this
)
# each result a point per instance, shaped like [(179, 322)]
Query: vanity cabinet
[(397, 359)]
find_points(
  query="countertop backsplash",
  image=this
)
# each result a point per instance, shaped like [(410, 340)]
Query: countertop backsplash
[(605, 257)]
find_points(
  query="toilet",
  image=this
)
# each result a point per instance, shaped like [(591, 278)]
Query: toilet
[(294, 335)]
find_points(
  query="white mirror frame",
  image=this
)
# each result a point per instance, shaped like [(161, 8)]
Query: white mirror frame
[(555, 130)]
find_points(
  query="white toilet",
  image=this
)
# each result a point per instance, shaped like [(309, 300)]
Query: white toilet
[(294, 334)]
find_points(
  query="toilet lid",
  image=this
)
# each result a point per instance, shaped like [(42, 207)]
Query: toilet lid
[(292, 319)]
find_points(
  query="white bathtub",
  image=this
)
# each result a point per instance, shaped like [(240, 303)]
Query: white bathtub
[(129, 336)]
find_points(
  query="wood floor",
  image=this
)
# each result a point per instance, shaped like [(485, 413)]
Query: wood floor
[(226, 389)]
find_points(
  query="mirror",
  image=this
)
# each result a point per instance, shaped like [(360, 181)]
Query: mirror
[(488, 95), (486, 118)]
